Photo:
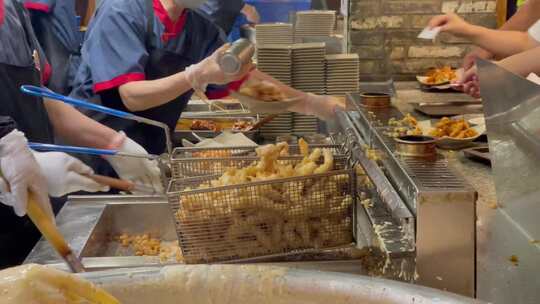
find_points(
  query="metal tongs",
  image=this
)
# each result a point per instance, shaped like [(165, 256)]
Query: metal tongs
[(46, 93), (115, 183)]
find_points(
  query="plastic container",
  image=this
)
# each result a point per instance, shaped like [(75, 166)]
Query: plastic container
[(278, 10)]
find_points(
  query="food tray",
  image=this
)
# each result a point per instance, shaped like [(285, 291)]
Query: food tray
[(259, 219), (186, 133)]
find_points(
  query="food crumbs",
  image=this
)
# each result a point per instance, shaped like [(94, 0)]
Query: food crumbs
[(514, 260)]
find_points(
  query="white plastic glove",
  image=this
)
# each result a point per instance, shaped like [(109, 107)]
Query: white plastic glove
[(137, 170), (324, 107), (21, 174), (65, 174), (208, 71)]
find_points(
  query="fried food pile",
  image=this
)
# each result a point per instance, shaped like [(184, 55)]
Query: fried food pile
[(406, 126), (269, 167), (242, 125), (265, 218), (212, 154), (441, 75), (145, 245), (204, 125), (447, 127), (263, 90)]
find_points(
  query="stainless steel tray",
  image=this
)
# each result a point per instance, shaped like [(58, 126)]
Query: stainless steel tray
[(87, 222)]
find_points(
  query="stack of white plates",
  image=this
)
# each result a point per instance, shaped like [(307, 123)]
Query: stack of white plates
[(315, 23), (304, 124), (276, 60), (342, 74), (281, 125), (274, 33), (309, 67)]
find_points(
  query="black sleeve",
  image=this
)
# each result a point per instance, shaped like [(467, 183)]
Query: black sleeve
[(7, 124), (111, 99)]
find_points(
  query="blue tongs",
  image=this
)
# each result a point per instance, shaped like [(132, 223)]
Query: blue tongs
[(46, 93)]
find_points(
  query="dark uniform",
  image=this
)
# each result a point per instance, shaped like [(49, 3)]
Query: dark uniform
[(223, 13), (133, 40), (17, 41), (57, 30)]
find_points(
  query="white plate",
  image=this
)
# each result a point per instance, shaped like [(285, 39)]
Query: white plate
[(259, 106), (449, 143), (423, 80)]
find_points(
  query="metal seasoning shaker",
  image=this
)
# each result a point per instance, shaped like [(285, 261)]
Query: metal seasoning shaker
[(240, 53)]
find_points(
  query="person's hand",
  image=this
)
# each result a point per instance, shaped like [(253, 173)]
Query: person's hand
[(66, 174), (470, 59), (251, 13), (208, 71), (137, 170), (324, 107), (21, 174), (451, 23), (469, 82)]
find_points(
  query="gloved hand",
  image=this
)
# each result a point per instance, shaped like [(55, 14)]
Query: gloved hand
[(21, 174), (65, 174), (208, 71), (324, 107), (137, 170)]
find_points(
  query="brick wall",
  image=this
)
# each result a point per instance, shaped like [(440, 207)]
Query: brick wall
[(383, 33)]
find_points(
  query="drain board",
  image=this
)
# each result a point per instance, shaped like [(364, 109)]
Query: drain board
[(441, 202)]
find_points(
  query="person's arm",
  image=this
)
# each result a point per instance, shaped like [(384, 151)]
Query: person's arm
[(526, 16), (324, 107), (520, 21), (80, 130), (523, 63), (488, 39), (146, 94)]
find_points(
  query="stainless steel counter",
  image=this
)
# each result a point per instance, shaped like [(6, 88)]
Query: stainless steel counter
[(79, 217)]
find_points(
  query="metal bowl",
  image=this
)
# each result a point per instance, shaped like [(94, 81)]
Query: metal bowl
[(375, 100), (416, 146), (260, 284)]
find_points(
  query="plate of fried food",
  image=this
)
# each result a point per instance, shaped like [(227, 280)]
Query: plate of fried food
[(439, 78), (264, 97), (455, 134)]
